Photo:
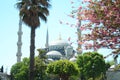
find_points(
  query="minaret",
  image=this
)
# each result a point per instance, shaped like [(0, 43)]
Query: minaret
[(47, 40), (79, 37), (19, 43)]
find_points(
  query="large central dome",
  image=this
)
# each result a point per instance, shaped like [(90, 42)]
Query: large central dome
[(59, 42)]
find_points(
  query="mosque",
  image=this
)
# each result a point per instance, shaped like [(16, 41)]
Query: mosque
[(4, 75), (59, 49), (56, 50)]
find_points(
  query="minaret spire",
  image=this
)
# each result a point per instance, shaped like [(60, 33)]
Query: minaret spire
[(19, 43), (60, 36), (47, 39)]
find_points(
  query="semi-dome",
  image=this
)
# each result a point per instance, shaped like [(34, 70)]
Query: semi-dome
[(54, 54)]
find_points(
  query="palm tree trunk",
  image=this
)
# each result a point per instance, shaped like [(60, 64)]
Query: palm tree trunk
[(32, 53), (64, 77)]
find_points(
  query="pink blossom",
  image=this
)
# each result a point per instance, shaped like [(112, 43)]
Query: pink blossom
[(87, 0), (80, 8)]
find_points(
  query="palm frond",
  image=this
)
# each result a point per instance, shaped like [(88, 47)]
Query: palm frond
[(42, 16), (19, 5), (33, 10), (44, 3), (44, 10)]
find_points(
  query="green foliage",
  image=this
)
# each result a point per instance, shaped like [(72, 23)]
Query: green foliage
[(63, 68), (40, 68), (42, 54), (111, 62), (117, 67), (19, 71), (107, 65), (74, 78), (91, 64), (40, 65)]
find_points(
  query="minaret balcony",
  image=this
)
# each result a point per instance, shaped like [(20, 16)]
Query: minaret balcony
[(20, 32), (19, 43)]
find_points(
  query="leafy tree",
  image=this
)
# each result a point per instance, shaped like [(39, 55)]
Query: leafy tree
[(102, 20), (31, 12), (91, 65), (103, 11), (99, 19), (107, 65), (40, 65), (20, 70), (41, 54), (40, 68), (63, 68)]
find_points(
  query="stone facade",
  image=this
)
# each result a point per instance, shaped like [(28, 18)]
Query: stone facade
[(4, 76), (113, 75)]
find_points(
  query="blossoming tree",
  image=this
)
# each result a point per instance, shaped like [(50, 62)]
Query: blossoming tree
[(101, 19)]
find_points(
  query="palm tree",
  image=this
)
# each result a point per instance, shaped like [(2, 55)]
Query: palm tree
[(31, 12)]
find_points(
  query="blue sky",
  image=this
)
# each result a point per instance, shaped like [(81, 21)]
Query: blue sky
[(9, 20)]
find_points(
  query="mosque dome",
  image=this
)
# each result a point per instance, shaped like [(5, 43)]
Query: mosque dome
[(54, 54), (59, 42), (73, 59), (50, 59)]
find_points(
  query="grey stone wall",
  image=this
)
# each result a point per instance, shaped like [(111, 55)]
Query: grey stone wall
[(4, 76), (113, 75)]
